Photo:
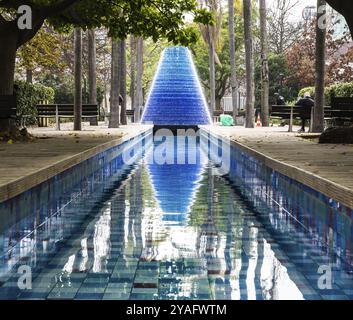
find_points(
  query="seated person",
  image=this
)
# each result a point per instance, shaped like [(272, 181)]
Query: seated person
[(280, 102), (308, 102)]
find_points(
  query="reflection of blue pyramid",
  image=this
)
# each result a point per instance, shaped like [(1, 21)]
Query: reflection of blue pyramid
[(176, 97), (175, 185)]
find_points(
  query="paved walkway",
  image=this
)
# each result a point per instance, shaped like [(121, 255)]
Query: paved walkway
[(25, 165), (326, 168)]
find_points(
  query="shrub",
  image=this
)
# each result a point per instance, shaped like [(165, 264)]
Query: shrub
[(65, 87), (307, 89), (342, 89), (28, 96), (337, 90)]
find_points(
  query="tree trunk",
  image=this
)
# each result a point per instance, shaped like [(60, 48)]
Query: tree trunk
[(250, 88), (123, 82), (84, 90), (105, 98), (29, 75), (265, 81), (212, 72), (92, 71), (78, 80), (132, 70), (139, 88), (218, 102), (233, 69), (7, 69), (7, 62), (115, 90), (318, 121)]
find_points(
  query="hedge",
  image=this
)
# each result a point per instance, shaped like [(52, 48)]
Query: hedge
[(28, 96), (337, 90)]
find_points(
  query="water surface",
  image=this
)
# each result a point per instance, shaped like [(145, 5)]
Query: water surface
[(175, 231)]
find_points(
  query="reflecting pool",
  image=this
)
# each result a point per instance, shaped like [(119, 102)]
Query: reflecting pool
[(106, 230)]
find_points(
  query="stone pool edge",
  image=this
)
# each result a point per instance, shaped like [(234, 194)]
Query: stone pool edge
[(329, 188), (21, 185)]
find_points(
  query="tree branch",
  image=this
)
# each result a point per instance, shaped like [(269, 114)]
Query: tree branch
[(45, 10), (51, 10), (26, 35), (40, 14), (2, 20), (14, 4)]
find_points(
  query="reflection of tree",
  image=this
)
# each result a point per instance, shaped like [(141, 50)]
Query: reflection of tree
[(208, 234), (250, 249), (136, 212), (234, 238), (144, 199), (118, 212), (276, 271), (101, 242), (260, 259)]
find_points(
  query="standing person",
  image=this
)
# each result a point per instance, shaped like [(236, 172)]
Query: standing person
[(306, 102)]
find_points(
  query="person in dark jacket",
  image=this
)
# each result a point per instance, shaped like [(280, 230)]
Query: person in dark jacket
[(280, 100), (306, 102)]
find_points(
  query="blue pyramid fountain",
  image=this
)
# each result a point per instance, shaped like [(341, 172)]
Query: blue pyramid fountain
[(176, 97), (175, 185)]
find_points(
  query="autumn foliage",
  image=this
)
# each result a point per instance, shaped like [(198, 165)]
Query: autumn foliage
[(301, 59)]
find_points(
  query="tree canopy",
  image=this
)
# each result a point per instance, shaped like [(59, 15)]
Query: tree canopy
[(150, 18)]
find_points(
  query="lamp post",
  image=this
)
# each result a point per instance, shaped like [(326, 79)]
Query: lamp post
[(308, 15)]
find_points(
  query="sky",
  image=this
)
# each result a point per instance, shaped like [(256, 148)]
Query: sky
[(297, 13), (298, 10)]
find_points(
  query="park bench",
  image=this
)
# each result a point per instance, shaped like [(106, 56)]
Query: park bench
[(129, 114), (58, 111), (290, 113), (298, 112), (341, 110)]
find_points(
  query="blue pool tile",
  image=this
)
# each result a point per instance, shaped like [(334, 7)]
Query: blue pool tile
[(143, 296), (116, 296), (113, 234), (89, 296)]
